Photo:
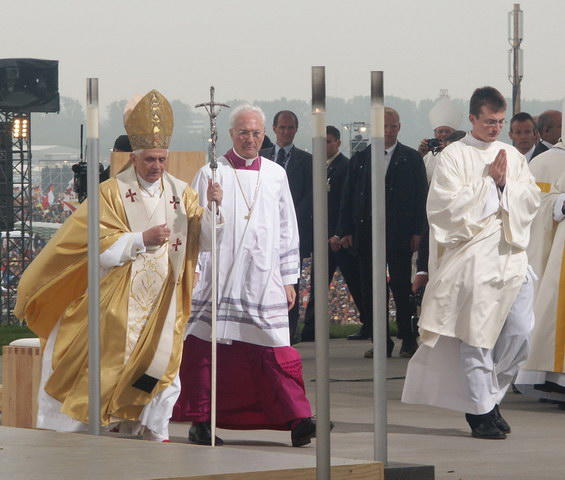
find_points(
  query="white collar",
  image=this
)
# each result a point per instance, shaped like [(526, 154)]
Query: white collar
[(151, 187), (529, 153), (246, 160), (547, 144), (471, 140), (390, 151)]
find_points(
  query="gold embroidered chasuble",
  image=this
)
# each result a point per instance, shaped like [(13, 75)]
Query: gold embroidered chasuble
[(144, 304), (547, 256)]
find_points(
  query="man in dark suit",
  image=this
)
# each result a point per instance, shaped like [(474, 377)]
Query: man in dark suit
[(298, 166), (337, 256), (406, 190), (549, 128)]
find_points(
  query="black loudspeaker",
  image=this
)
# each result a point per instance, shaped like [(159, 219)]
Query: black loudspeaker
[(29, 85), (6, 179)]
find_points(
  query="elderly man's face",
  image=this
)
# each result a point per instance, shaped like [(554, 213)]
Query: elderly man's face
[(392, 127), (247, 134), (523, 135), (441, 133), (150, 164), (285, 129)]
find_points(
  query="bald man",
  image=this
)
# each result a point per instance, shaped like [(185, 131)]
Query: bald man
[(406, 189), (549, 128)]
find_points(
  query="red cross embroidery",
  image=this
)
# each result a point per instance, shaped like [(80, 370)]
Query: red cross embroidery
[(177, 244), (130, 195), (174, 202)]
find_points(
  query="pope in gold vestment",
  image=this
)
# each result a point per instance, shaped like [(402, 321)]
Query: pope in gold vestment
[(145, 289)]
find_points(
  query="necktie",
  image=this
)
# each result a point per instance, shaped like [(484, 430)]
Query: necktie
[(281, 157)]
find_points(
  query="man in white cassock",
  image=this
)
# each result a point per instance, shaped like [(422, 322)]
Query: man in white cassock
[(151, 225), (476, 314), (543, 375), (445, 118), (259, 380)]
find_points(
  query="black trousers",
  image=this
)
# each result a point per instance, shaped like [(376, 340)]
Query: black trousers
[(349, 267), (294, 313), (400, 272)]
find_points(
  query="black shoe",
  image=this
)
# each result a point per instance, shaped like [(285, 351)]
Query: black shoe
[(499, 421), (483, 426), (201, 434), (408, 348), (360, 335), (304, 432)]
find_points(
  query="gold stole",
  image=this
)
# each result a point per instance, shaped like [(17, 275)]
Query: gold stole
[(62, 264)]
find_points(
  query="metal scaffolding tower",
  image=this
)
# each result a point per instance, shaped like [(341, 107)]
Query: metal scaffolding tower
[(16, 229)]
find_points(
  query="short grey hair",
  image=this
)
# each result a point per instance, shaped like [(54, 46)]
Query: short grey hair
[(245, 108)]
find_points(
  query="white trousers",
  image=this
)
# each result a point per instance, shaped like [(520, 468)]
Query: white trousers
[(470, 379), (153, 422), (489, 372)]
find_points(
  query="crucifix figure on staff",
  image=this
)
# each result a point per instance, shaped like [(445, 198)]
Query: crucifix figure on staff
[(259, 380), (151, 229)]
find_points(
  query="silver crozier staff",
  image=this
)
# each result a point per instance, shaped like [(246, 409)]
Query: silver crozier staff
[(213, 113)]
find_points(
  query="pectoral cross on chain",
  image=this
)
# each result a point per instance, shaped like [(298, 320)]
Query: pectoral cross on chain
[(130, 195), (174, 202)]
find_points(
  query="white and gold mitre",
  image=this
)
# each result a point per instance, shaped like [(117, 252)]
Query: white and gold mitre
[(149, 121), (445, 113)]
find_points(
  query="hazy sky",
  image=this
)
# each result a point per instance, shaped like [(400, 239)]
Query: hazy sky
[(260, 49)]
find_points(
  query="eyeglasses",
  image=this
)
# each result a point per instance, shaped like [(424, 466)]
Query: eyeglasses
[(494, 123), (246, 133)]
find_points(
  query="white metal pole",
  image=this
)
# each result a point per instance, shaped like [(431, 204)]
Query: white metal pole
[(213, 339), (320, 264), (378, 222), (92, 141)]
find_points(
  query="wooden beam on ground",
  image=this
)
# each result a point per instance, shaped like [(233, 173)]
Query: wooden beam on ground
[(372, 471)]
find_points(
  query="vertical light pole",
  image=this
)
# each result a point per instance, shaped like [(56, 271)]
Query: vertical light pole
[(347, 128), (92, 142), (515, 54), (378, 232), (320, 265)]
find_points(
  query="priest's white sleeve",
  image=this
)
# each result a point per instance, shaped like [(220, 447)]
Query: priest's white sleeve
[(492, 203), (558, 214), (206, 228), (123, 250), (457, 206), (289, 253), (520, 202)]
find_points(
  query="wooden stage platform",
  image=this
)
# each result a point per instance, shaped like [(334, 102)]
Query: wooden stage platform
[(28, 454)]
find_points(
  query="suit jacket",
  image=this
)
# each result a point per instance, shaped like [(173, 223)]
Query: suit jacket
[(424, 251), (337, 173), (540, 148), (406, 190), (299, 173)]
